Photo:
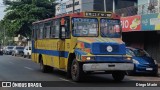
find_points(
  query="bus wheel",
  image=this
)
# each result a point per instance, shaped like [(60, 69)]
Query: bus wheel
[(76, 71), (45, 68), (118, 76)]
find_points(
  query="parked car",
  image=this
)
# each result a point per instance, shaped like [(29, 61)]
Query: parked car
[(27, 52), (143, 62), (8, 50), (17, 50)]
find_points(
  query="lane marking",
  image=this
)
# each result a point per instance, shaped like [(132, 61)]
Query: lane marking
[(21, 58), (11, 62), (66, 80), (24, 58), (28, 68), (143, 80)]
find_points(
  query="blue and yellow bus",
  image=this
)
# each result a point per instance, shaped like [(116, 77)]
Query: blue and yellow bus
[(81, 43)]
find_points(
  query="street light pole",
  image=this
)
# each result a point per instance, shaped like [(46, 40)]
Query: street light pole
[(4, 38), (105, 5), (113, 6), (73, 5)]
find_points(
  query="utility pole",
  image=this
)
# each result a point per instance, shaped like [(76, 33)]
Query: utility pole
[(105, 5), (113, 6), (73, 5), (4, 38)]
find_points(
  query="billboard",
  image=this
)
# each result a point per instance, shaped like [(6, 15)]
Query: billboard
[(132, 23), (150, 22)]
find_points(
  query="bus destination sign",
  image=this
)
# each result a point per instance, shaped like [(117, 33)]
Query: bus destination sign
[(98, 14)]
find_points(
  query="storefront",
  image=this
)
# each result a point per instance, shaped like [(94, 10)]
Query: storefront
[(143, 32)]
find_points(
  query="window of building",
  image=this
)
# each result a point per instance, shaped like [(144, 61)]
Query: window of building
[(76, 3), (154, 2), (71, 5), (78, 10)]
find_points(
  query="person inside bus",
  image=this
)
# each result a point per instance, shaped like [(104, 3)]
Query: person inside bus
[(104, 30)]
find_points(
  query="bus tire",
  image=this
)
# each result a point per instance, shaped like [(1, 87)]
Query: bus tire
[(118, 76), (45, 68), (76, 71), (70, 60)]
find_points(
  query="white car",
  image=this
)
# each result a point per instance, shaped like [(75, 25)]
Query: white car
[(27, 52)]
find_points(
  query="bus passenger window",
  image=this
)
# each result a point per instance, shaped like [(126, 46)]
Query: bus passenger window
[(34, 31), (55, 28), (47, 29), (48, 32), (41, 35), (67, 27)]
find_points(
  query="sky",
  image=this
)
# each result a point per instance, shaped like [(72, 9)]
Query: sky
[(2, 8)]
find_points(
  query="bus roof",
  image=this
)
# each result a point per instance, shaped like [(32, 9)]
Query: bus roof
[(85, 14)]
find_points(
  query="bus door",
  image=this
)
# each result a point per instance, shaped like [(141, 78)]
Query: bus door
[(64, 35)]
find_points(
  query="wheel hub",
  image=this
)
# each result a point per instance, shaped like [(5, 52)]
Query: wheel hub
[(74, 70)]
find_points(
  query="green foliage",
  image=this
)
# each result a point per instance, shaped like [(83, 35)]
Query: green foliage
[(21, 13)]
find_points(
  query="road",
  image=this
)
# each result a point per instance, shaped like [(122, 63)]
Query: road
[(22, 69)]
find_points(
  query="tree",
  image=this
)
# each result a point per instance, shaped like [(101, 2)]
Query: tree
[(21, 13)]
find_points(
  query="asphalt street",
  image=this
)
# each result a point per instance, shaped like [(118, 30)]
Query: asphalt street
[(23, 69)]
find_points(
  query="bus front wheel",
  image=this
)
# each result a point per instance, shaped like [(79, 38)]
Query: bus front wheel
[(118, 76), (76, 71)]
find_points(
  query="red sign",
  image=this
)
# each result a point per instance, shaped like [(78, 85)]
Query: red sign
[(132, 23)]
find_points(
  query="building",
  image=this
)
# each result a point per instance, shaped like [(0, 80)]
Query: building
[(145, 32), (66, 6), (148, 6)]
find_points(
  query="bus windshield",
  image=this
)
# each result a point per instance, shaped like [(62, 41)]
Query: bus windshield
[(85, 27), (110, 28)]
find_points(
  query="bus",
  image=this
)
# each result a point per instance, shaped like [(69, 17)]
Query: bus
[(81, 43)]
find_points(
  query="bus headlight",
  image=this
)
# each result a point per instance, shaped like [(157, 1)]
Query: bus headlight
[(128, 58), (87, 58)]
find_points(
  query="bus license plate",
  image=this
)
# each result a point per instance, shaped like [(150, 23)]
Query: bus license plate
[(149, 69)]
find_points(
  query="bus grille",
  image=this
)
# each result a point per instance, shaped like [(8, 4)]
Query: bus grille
[(101, 48)]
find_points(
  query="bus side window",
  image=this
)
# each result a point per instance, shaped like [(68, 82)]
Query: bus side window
[(36, 31), (47, 29), (41, 30), (67, 27), (55, 29), (33, 32)]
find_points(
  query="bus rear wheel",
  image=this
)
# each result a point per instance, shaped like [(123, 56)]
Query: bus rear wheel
[(76, 71), (45, 68), (118, 75)]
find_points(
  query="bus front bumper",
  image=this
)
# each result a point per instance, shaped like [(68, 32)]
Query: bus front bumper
[(108, 67)]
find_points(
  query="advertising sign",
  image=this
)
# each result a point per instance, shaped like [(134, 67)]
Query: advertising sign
[(132, 23), (150, 22)]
